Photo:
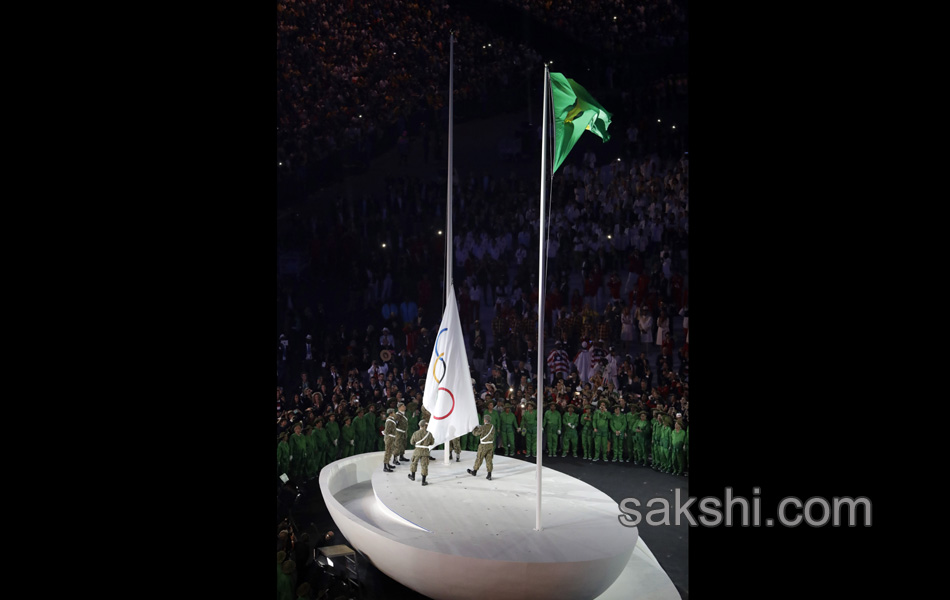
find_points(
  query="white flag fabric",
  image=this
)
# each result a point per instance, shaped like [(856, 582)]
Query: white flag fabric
[(448, 394)]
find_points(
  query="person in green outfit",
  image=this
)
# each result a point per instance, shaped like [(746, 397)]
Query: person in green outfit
[(601, 431), (587, 432), (677, 441), (359, 425), (298, 453), (486, 442), (508, 424), (569, 440), (311, 469), (686, 449), (286, 581), (320, 443), (655, 425), (333, 436), (529, 429), (283, 455), (641, 439), (421, 443), (347, 438), (666, 451), (618, 429), (372, 433), (632, 418), (552, 423)]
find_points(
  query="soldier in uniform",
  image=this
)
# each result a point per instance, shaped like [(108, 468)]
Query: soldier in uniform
[(389, 433), (618, 428), (529, 429), (569, 439), (587, 432), (455, 445), (486, 445), (402, 427), (508, 422), (422, 444), (552, 422), (601, 429)]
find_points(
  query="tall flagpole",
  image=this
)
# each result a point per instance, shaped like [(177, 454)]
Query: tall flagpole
[(448, 212), (541, 246)]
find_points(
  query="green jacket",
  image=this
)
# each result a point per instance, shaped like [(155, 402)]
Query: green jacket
[(601, 422), (617, 423), (333, 431), (283, 457), (632, 419), (507, 421), (298, 447), (587, 421), (552, 420), (529, 421), (348, 433), (569, 421), (359, 425), (320, 439), (677, 438)]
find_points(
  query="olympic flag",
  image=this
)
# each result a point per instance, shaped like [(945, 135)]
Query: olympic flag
[(448, 395)]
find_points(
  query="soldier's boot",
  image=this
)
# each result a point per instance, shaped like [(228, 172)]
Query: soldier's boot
[(473, 473), (411, 476), (457, 457), (387, 468), (424, 480), (489, 475)]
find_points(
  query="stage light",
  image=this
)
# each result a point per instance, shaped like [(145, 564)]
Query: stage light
[(440, 232), (489, 45), (280, 164), (674, 126), (384, 245), (657, 120), (609, 237)]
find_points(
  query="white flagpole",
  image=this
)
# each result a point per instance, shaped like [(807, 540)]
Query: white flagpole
[(448, 212), (540, 375)]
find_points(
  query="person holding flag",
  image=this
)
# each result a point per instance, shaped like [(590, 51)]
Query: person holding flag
[(389, 433)]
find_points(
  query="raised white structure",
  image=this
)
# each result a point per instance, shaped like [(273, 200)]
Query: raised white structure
[(464, 537)]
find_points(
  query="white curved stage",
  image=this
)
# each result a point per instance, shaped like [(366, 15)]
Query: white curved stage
[(464, 537)]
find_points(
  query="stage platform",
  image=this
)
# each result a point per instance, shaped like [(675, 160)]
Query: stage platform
[(467, 537)]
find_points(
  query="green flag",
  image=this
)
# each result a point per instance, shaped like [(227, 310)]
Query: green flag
[(574, 112)]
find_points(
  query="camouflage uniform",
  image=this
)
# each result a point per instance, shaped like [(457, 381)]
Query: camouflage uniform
[(422, 443), (486, 446)]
